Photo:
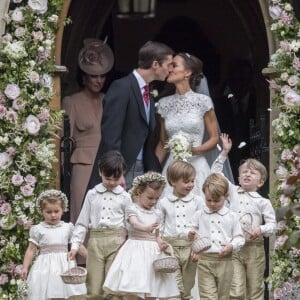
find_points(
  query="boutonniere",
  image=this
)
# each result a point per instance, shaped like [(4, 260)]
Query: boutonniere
[(154, 93)]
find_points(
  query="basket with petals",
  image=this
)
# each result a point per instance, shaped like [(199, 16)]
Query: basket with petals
[(246, 221), (74, 275), (201, 243), (166, 263)]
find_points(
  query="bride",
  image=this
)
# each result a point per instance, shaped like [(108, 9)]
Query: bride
[(190, 113)]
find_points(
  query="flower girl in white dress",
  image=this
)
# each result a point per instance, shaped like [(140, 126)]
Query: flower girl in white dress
[(50, 238), (132, 274)]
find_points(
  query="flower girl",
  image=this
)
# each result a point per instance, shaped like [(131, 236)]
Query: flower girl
[(131, 273), (50, 238)]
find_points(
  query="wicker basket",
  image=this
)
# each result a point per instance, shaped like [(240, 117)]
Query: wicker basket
[(166, 263), (74, 275), (246, 221), (201, 243)]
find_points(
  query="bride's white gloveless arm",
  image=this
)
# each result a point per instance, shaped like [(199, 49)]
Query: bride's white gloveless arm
[(210, 121)]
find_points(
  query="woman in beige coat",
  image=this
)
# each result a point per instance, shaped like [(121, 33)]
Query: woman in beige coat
[(84, 109)]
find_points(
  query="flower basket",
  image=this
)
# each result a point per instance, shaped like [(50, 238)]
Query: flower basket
[(201, 243), (166, 263), (246, 221), (74, 275)]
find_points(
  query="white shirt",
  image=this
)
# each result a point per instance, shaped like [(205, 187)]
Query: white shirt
[(243, 202), (222, 227), (101, 209), (177, 212)]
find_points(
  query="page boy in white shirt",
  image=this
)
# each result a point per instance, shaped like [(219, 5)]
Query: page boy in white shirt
[(177, 209), (215, 220), (249, 263), (103, 214)]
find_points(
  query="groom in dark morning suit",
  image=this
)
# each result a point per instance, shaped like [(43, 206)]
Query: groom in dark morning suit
[(128, 120)]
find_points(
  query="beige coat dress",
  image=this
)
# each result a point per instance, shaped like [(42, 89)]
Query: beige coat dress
[(85, 130)]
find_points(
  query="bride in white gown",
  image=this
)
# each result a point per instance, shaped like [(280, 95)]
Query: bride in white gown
[(189, 112)]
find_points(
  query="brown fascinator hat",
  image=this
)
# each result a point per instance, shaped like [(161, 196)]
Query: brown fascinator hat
[(96, 57)]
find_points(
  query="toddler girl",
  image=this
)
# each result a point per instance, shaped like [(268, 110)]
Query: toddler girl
[(132, 274), (50, 238)]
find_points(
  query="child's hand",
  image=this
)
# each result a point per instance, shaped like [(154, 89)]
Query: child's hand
[(152, 227), (191, 235), (194, 256), (82, 251), (163, 245), (226, 142), (72, 254), (255, 233), (226, 250)]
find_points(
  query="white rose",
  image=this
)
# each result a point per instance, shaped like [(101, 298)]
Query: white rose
[(284, 76), (288, 7), (7, 38), (285, 89), (20, 31), (46, 81), (12, 91), (53, 18), (5, 160), (32, 125), (34, 77), (281, 173), (275, 12), (293, 80), (38, 35), (17, 15), (38, 6)]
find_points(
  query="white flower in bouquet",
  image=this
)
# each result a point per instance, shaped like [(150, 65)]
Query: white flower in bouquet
[(180, 146)]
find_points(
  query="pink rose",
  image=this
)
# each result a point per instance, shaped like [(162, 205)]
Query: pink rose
[(7, 38), (32, 125), (3, 279), (3, 111), (27, 190), (286, 155), (277, 294), (12, 91), (280, 241), (38, 36), (281, 225), (17, 179), (5, 208), (11, 151), (44, 116), (11, 115), (284, 200), (20, 31), (275, 12), (285, 89), (18, 103), (30, 179), (291, 98), (32, 146)]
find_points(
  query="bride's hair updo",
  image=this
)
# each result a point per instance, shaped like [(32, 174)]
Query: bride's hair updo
[(195, 65)]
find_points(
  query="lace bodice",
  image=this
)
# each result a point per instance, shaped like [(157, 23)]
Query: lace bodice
[(185, 113)]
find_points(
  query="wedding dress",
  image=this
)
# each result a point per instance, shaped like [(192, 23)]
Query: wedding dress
[(185, 113)]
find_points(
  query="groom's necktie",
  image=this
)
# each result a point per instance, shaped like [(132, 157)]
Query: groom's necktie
[(146, 95)]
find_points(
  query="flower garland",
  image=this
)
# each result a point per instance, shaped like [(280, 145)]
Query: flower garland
[(285, 277), (27, 127)]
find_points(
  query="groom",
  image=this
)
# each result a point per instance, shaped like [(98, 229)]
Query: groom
[(128, 120)]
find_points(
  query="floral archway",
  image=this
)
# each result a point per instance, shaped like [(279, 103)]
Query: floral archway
[(28, 128)]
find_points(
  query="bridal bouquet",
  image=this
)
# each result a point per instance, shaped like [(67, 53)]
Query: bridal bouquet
[(180, 146)]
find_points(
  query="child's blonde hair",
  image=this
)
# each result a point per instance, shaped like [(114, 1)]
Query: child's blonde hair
[(150, 179), (51, 196), (180, 170), (253, 163), (217, 185)]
